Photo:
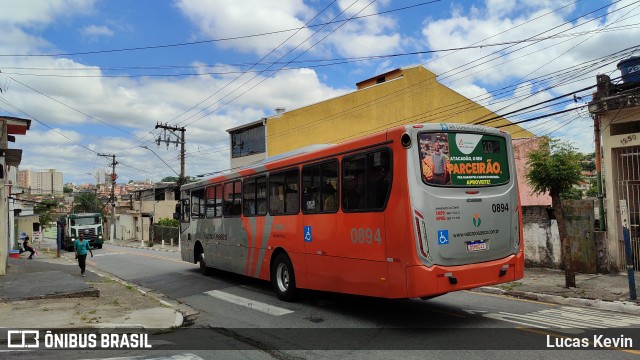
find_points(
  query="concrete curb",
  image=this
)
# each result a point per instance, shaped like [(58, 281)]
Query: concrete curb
[(617, 306), (184, 315)]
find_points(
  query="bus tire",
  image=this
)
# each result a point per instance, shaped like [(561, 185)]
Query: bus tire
[(204, 269), (283, 279)]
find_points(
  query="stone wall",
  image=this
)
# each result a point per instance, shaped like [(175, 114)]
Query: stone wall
[(541, 238)]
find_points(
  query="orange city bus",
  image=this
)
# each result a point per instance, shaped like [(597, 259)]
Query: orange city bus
[(414, 211)]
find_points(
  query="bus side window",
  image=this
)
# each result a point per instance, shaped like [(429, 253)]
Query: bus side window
[(197, 204), (366, 180), (283, 193), (210, 202), (320, 187), (232, 198), (255, 196), (292, 192)]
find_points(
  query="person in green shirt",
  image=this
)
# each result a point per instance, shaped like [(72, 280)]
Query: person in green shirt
[(81, 246)]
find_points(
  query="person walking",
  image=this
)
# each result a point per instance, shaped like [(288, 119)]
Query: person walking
[(81, 246)]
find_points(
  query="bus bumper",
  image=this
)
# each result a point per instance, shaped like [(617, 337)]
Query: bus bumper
[(425, 281)]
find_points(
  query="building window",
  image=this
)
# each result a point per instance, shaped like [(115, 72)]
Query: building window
[(625, 128), (248, 141)]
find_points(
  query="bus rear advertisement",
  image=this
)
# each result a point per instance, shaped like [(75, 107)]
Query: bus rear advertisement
[(415, 211)]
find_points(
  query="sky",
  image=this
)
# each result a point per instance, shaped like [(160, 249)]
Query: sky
[(96, 76)]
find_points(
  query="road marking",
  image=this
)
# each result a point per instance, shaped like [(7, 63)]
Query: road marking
[(114, 253), (509, 297), (567, 319), (251, 304)]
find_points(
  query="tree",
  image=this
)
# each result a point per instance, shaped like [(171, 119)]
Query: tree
[(555, 168), (169, 222), (67, 190), (87, 202), (44, 211), (572, 194), (170, 179)]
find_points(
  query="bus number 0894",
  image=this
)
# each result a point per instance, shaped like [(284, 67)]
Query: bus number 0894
[(365, 236)]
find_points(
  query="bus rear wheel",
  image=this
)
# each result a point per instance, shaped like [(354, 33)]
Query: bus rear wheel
[(283, 279)]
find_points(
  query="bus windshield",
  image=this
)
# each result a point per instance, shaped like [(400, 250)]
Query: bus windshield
[(85, 221), (463, 159)]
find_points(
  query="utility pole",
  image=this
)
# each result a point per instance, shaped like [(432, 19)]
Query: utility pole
[(596, 131), (179, 139), (113, 196)]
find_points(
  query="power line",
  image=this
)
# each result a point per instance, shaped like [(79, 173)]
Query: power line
[(151, 47)]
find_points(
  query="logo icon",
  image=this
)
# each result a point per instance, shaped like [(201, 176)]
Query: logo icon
[(444, 126), (307, 234), (476, 220), (23, 337), (443, 237)]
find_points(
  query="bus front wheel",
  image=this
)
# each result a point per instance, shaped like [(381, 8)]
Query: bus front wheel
[(283, 278)]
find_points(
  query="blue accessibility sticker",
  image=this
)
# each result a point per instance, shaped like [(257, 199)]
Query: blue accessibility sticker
[(443, 237), (307, 234)]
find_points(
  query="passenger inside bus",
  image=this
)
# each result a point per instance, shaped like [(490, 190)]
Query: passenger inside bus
[(330, 198)]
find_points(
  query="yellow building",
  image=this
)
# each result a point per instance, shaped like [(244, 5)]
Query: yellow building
[(402, 96)]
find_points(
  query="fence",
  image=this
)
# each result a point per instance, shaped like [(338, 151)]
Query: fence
[(165, 233)]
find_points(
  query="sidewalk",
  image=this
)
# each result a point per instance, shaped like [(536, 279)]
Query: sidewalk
[(606, 292), (48, 292)]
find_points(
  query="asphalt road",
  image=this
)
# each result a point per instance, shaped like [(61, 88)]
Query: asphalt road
[(242, 318)]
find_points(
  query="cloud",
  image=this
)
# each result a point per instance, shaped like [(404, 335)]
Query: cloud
[(231, 18), (40, 13), (93, 32)]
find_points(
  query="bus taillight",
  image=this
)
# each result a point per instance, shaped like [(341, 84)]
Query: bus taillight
[(421, 230)]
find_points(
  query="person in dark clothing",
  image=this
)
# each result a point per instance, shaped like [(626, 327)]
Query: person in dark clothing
[(27, 247)]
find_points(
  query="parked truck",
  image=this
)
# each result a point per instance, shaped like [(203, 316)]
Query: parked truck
[(89, 224)]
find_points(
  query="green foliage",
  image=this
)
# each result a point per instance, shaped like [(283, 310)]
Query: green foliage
[(87, 202), (588, 162), (554, 167), (572, 194), (44, 210), (169, 222), (67, 190), (170, 179)]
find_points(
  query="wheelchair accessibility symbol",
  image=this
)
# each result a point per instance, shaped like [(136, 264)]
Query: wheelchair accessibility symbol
[(443, 237), (307, 234)]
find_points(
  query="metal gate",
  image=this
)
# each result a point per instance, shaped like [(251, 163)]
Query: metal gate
[(627, 173)]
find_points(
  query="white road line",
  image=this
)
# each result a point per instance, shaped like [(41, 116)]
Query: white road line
[(251, 304), (568, 319)]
